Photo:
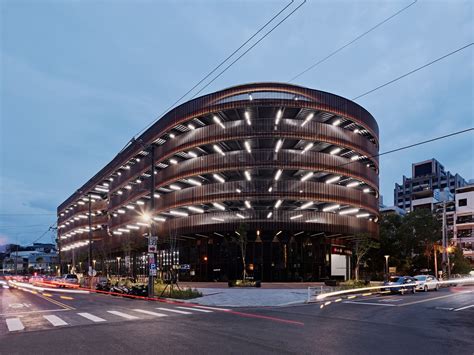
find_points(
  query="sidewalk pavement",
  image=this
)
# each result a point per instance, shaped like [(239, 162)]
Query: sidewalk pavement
[(270, 294)]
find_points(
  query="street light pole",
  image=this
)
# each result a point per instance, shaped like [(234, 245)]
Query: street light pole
[(90, 236), (386, 264), (444, 241), (151, 291)]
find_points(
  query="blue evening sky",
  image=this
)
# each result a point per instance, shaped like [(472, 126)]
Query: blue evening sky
[(79, 78)]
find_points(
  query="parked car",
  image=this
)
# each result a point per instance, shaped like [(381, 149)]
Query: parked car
[(426, 283), (400, 284), (71, 279)]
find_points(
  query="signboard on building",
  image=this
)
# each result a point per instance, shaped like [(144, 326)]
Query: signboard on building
[(152, 244), (341, 251), (392, 269)]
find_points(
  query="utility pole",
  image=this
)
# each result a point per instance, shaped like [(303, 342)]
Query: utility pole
[(444, 241), (152, 209)]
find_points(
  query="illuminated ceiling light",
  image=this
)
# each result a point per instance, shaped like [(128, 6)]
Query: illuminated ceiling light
[(191, 153), (124, 230), (355, 157), (140, 202), (190, 126), (143, 224), (247, 118), (307, 119), (194, 182), (179, 213), (105, 184), (278, 145), (159, 219), (196, 209), (128, 187), (238, 190), (366, 190), (130, 207), (353, 184), (278, 116), (119, 173), (247, 146), (81, 202), (306, 205), (308, 147), (247, 175), (172, 135), (278, 174), (130, 226), (269, 215), (137, 160), (335, 151), (173, 161), (218, 178), (175, 187), (240, 216), (333, 179), (121, 211), (362, 215), (368, 165), (127, 167), (138, 181), (336, 122), (270, 189), (278, 204), (356, 130), (101, 189), (250, 97), (219, 150), (111, 179), (95, 196), (331, 208), (297, 216), (218, 121), (349, 211), (155, 195), (218, 206), (247, 204), (117, 233), (307, 176), (217, 219)]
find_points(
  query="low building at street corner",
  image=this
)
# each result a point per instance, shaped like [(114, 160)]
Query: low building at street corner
[(291, 170)]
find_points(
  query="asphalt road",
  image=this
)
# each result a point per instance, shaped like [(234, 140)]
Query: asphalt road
[(52, 323)]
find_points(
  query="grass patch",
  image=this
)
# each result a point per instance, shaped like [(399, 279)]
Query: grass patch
[(181, 293)]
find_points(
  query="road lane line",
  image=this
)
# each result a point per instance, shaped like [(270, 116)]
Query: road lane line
[(371, 303), (66, 297), (47, 295), (14, 324), (39, 311), (433, 298), (92, 317), (123, 315), (55, 320), (195, 309), (150, 312), (172, 310), (462, 308), (214, 308)]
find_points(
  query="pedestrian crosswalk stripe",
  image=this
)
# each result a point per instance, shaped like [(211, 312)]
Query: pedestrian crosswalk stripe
[(214, 308), (124, 315), (173, 310), (55, 320), (150, 313), (14, 324), (196, 309), (92, 317)]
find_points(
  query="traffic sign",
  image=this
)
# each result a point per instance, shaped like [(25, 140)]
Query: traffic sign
[(152, 269), (152, 244)]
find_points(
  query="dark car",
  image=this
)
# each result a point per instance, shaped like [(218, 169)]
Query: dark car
[(401, 284)]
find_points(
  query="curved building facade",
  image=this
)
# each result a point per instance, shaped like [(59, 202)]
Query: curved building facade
[(293, 169)]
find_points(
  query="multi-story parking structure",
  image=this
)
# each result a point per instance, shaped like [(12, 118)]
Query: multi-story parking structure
[(294, 169)]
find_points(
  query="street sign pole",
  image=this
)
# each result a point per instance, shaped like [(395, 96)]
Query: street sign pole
[(152, 238)]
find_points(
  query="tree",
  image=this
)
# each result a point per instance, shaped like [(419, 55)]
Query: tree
[(461, 264), (240, 239), (363, 244)]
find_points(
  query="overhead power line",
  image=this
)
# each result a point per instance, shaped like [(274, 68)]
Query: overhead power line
[(350, 42), (215, 69), (413, 71), (249, 49)]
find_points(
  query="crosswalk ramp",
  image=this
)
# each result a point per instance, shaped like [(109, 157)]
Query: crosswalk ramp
[(41, 321)]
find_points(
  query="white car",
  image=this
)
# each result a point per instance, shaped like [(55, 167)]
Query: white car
[(426, 283)]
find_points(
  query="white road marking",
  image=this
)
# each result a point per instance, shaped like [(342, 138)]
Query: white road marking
[(150, 312), (55, 320), (195, 309), (433, 298), (217, 309), (445, 308), (173, 310), (371, 303), (462, 308), (92, 317), (123, 315), (14, 324)]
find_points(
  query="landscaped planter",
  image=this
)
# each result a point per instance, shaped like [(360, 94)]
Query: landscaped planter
[(244, 283)]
